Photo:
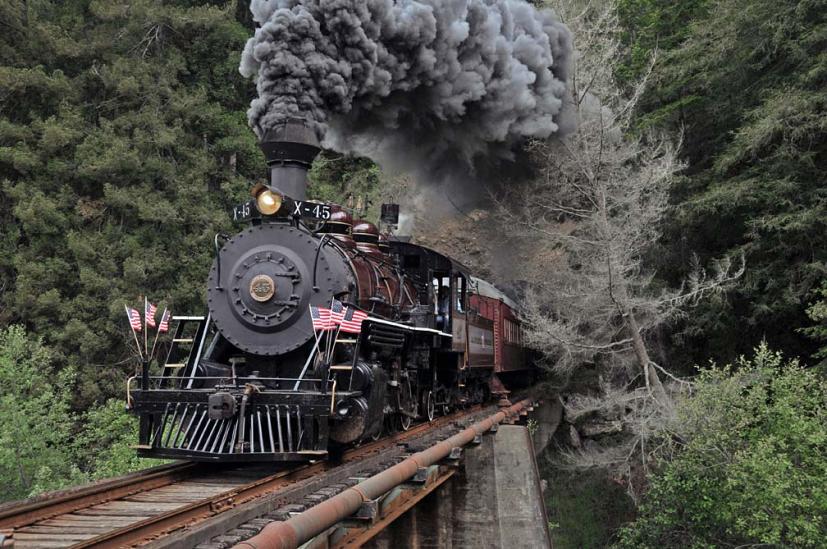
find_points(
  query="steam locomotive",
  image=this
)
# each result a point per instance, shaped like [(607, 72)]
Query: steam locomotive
[(253, 381)]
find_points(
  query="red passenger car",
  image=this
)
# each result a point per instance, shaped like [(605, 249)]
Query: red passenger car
[(510, 359)]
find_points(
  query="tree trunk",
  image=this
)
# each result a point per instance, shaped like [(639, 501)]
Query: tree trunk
[(645, 363)]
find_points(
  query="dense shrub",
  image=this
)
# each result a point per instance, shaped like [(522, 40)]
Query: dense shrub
[(749, 465), (43, 444)]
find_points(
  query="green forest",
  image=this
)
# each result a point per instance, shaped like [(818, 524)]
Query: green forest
[(124, 143)]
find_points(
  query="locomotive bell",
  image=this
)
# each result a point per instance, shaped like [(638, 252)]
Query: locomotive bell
[(289, 150)]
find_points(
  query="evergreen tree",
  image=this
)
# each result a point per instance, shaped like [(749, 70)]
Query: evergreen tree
[(817, 311), (123, 140), (747, 83)]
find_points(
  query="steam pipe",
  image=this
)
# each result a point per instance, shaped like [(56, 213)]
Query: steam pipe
[(310, 523), (289, 150)]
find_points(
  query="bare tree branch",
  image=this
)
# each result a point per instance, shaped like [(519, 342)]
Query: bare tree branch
[(597, 207)]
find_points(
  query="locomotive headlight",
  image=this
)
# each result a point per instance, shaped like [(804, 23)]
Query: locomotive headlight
[(268, 202)]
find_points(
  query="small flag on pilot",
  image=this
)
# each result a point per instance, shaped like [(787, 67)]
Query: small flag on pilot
[(163, 327), (321, 318), (149, 313), (352, 321), (337, 312), (134, 319)]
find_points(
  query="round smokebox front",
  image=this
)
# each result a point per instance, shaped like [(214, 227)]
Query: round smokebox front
[(261, 304)]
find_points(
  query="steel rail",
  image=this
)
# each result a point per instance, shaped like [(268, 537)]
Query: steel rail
[(17, 515), (304, 526)]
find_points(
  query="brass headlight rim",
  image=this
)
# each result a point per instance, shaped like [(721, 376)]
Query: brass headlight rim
[(271, 208)]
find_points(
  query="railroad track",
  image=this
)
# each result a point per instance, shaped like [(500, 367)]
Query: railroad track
[(145, 506)]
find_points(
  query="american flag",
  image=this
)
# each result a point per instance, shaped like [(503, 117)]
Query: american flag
[(134, 319), (163, 327), (352, 321), (321, 318), (337, 312), (149, 314)]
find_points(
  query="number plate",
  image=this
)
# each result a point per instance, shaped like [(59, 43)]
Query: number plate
[(299, 208), (311, 209), (245, 211)]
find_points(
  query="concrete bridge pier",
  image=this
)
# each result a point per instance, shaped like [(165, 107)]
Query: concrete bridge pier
[(495, 500)]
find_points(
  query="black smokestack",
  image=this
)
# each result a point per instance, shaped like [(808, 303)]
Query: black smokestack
[(437, 85), (289, 149)]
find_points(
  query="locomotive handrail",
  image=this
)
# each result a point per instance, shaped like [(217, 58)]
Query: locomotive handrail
[(407, 327), (129, 393), (255, 378), (316, 259), (218, 258), (202, 331), (241, 381)]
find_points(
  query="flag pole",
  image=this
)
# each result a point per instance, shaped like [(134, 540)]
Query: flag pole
[(306, 364), (310, 357), (332, 345), (138, 345), (146, 329), (338, 325), (157, 333)]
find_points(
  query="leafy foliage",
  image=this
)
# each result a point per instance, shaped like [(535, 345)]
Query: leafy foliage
[(35, 419), (749, 462), (105, 446), (43, 444), (351, 181)]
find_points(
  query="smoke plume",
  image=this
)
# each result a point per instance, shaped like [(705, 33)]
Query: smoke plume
[(434, 87)]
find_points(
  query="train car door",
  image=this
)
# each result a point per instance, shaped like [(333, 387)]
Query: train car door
[(459, 305), (441, 296)]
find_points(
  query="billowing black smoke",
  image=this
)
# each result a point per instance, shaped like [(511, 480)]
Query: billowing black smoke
[(434, 85)]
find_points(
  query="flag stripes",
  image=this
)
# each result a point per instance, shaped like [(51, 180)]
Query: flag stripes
[(134, 319), (149, 314), (337, 312), (321, 318), (163, 327), (351, 323), (347, 319)]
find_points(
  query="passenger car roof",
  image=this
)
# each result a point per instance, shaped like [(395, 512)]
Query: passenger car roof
[(486, 289)]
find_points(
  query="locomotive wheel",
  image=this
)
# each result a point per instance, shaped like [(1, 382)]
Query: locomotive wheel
[(430, 408), (406, 403)]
